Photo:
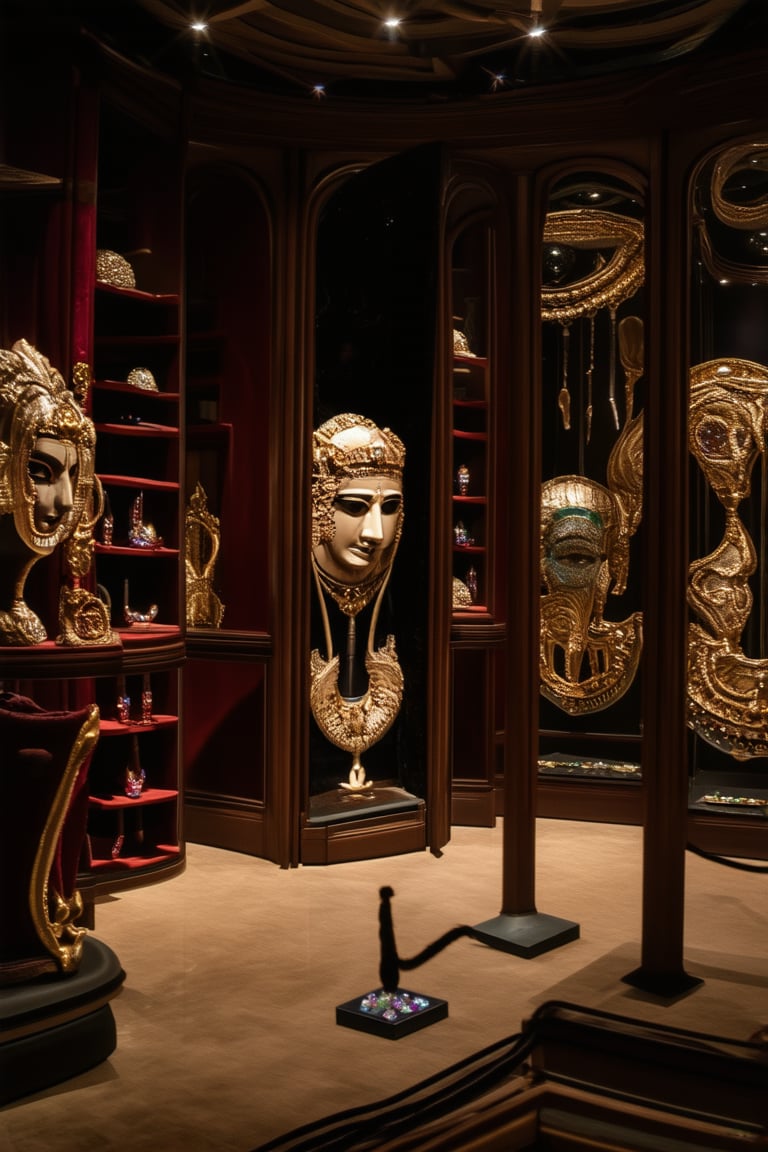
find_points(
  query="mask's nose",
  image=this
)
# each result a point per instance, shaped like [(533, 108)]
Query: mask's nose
[(372, 529)]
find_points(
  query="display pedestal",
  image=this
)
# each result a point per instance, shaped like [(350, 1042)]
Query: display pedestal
[(55, 1028), (391, 1014), (341, 826), (665, 984), (526, 934)]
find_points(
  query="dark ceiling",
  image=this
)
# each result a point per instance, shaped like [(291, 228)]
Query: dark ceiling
[(440, 50)]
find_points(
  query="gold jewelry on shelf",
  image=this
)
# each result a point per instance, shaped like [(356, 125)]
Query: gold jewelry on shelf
[(201, 547), (461, 597), (739, 801), (142, 379), (727, 690), (83, 616), (461, 344), (113, 269)]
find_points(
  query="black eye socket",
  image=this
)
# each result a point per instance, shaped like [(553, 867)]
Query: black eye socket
[(40, 471), (352, 505), (390, 506)]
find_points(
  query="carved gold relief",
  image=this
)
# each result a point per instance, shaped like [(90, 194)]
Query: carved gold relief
[(727, 690), (53, 914), (611, 281), (723, 203)]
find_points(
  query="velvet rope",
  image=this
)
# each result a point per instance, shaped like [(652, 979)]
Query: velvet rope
[(391, 963), (725, 861)]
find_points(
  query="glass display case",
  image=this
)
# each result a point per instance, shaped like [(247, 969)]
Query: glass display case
[(728, 421), (593, 368)]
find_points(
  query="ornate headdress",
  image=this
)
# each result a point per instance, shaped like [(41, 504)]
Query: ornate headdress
[(344, 447)]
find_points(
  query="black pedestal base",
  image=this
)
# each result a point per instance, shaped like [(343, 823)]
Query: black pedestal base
[(527, 934), (56, 1028), (354, 1014), (663, 984)]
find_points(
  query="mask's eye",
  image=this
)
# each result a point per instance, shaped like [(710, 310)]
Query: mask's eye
[(391, 506), (575, 559), (40, 471), (352, 505)]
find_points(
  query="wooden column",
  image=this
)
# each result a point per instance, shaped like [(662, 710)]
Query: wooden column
[(520, 928), (664, 747)]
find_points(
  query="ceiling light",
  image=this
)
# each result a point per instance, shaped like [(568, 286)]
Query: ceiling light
[(392, 22), (199, 26), (536, 32)]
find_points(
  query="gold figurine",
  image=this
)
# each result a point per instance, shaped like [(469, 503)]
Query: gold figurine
[(202, 537), (357, 519)]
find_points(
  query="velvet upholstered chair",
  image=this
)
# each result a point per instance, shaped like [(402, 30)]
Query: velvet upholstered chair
[(55, 981)]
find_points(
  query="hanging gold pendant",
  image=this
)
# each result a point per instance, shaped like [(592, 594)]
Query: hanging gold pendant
[(564, 396), (356, 724)]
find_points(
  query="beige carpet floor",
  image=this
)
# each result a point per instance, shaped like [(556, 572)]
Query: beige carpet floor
[(226, 1024)]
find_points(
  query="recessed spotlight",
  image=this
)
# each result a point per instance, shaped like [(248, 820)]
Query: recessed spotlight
[(537, 32), (199, 26), (392, 22), (318, 91)]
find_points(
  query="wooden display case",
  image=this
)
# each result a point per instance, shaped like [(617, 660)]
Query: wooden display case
[(476, 424)]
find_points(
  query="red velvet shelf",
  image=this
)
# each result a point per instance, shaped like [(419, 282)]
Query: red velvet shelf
[(165, 431), (139, 482), (468, 549), (480, 404), (120, 550), (147, 797), (470, 499), (480, 437), (122, 386), (470, 361), (138, 294), (127, 863), (137, 636), (115, 728)]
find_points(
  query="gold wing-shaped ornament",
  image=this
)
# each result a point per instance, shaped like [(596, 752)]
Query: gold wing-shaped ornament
[(201, 548)]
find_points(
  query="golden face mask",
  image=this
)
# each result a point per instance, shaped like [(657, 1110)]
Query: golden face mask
[(47, 449), (357, 471), (586, 662), (36, 406)]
